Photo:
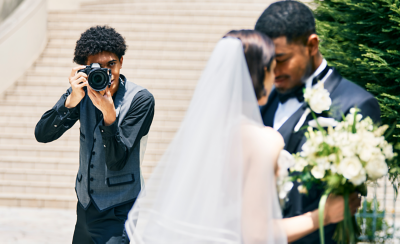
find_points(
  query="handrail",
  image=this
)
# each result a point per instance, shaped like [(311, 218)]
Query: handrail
[(23, 36), (7, 7)]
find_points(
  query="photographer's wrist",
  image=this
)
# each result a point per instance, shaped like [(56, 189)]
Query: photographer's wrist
[(72, 100), (109, 118)]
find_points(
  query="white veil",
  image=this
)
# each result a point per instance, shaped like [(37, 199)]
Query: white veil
[(195, 193)]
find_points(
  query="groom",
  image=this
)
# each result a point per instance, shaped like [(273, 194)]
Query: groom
[(291, 25)]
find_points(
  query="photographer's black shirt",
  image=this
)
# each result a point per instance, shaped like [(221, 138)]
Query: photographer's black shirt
[(118, 140)]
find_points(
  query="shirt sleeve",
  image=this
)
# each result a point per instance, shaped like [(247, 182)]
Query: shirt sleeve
[(56, 121), (119, 141)]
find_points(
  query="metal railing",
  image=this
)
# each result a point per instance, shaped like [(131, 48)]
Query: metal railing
[(7, 7), (377, 217)]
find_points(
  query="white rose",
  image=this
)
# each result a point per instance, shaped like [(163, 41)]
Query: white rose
[(300, 164), (376, 167), (318, 172), (365, 154), (360, 178), (318, 99), (348, 151), (388, 151), (350, 167)]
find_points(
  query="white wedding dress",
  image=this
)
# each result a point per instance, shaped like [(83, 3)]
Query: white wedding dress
[(203, 189)]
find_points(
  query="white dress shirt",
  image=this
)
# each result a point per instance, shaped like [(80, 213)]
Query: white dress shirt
[(286, 110)]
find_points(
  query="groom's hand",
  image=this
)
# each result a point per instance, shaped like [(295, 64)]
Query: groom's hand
[(334, 207)]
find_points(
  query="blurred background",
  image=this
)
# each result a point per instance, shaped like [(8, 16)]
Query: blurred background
[(169, 42)]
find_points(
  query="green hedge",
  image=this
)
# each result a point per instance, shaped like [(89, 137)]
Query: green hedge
[(361, 38)]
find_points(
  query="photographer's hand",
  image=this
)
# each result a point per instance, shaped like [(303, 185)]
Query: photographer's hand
[(104, 103), (77, 81)]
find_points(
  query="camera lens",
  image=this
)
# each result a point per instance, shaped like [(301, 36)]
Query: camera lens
[(98, 80)]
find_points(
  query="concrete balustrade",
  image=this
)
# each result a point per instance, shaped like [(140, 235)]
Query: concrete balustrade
[(23, 36)]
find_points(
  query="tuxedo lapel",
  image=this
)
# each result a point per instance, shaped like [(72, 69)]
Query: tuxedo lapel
[(292, 139), (332, 81), (287, 129), (268, 111)]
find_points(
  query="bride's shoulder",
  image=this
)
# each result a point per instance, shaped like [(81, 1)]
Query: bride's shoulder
[(263, 135)]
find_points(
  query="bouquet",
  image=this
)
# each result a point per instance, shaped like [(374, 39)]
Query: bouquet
[(342, 159)]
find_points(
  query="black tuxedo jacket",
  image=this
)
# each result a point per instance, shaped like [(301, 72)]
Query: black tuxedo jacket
[(345, 95)]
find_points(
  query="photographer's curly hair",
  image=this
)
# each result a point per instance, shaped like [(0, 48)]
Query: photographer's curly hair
[(96, 40)]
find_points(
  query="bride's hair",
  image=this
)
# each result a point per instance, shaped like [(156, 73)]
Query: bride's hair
[(259, 51)]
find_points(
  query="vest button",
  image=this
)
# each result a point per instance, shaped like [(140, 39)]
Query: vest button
[(93, 153), (94, 140), (91, 179), (91, 166), (91, 191)]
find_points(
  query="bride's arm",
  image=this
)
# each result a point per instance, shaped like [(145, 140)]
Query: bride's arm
[(260, 206), (261, 221), (300, 226)]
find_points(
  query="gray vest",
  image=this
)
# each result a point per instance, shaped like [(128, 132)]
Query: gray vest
[(94, 181)]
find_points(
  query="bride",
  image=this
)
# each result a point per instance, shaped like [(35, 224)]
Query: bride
[(216, 181)]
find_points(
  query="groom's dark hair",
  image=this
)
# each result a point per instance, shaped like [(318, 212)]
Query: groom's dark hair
[(291, 19)]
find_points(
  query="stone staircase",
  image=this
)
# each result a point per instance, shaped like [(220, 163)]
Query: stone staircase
[(169, 43)]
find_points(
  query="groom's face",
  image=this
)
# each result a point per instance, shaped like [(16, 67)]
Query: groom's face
[(293, 63)]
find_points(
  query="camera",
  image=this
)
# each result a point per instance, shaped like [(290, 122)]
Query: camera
[(98, 78)]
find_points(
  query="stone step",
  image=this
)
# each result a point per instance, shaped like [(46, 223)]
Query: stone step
[(40, 175), (149, 44), (37, 187), (69, 139), (142, 76), (135, 54), (47, 163), (161, 12), (43, 107), (142, 46), (127, 65), (38, 201), (24, 95), (123, 21), (50, 101), (48, 150), (161, 5), (146, 80), (192, 37)]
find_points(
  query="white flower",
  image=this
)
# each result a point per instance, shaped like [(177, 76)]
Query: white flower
[(323, 122), (300, 164), (360, 178), (284, 189), (365, 154), (388, 151), (318, 171), (352, 169), (285, 161), (350, 116), (318, 98), (376, 167), (381, 130)]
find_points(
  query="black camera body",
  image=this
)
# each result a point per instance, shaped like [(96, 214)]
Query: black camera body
[(98, 78)]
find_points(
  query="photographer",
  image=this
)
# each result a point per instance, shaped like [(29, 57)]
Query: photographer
[(115, 117)]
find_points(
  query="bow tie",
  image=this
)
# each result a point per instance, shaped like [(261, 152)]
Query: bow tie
[(297, 92)]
